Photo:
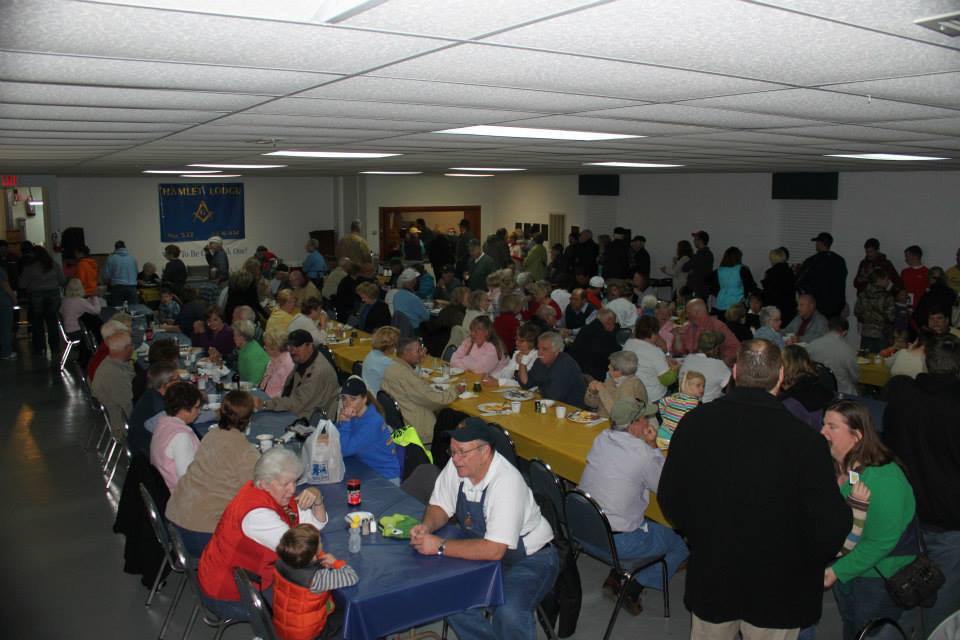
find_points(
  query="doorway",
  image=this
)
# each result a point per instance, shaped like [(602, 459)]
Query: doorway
[(394, 222), (24, 215)]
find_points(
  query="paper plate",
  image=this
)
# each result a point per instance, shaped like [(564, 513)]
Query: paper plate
[(519, 394), (495, 408), (583, 417)]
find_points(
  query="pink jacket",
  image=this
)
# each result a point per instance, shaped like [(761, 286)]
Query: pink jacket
[(168, 428), (481, 359), (278, 370)]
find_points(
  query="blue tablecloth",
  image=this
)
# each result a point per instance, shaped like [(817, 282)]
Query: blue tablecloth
[(399, 589)]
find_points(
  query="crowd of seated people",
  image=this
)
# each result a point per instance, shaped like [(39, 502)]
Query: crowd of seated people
[(583, 325)]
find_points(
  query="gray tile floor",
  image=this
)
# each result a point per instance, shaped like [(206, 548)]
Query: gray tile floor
[(63, 564)]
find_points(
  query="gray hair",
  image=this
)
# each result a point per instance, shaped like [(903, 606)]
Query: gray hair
[(767, 315), (624, 361), (159, 374), (606, 313), (276, 462), (74, 289), (554, 338), (113, 327), (246, 312), (275, 338), (119, 341), (246, 329), (313, 244)]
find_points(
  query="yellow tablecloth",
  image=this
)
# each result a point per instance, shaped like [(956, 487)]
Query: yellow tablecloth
[(561, 443), (874, 374)]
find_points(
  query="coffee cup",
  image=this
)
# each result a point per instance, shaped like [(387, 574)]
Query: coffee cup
[(266, 442), (561, 411), (515, 406)]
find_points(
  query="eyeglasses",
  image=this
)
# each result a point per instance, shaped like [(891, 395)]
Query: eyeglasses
[(464, 452)]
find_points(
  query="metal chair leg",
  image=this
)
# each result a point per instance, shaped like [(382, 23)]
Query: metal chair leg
[(666, 589), (616, 608), (121, 453), (443, 632), (112, 449), (193, 620), (156, 582), (66, 355), (93, 430), (173, 606)]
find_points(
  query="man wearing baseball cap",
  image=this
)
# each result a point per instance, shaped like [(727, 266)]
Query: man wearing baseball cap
[(405, 301), (700, 266), (311, 387), (824, 276), (488, 497), (595, 292), (623, 467)]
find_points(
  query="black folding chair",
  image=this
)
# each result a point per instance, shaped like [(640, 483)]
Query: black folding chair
[(448, 352), (542, 480), (504, 443), (872, 627), (260, 618), (210, 618), (589, 531), (391, 410), (357, 368), (169, 559)]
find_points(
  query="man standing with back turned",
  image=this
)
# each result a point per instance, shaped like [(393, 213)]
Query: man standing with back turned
[(754, 490)]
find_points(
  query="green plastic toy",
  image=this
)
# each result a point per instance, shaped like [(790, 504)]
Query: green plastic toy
[(397, 526)]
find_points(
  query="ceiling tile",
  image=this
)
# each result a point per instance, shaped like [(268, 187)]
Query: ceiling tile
[(942, 89), (704, 117), (456, 19), (381, 88), (57, 69), (68, 95), (523, 69), (733, 37), (822, 105), (937, 126), (387, 110), (890, 17), (151, 34), (84, 126), (104, 114), (608, 125), (849, 132)]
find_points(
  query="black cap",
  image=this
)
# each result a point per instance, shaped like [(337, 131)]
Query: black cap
[(823, 237), (354, 386), (299, 337), (473, 429)]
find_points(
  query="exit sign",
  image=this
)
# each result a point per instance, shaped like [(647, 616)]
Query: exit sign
[(8, 181)]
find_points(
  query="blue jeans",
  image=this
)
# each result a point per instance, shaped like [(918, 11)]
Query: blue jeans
[(943, 547), (44, 307), (864, 599), (656, 540), (193, 541), (525, 584), (6, 325)]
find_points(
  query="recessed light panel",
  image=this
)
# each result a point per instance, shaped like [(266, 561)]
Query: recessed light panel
[(882, 156), (176, 171), (636, 165), (525, 132), (343, 155), (237, 166), (207, 175), (392, 173), (500, 169), (469, 175)]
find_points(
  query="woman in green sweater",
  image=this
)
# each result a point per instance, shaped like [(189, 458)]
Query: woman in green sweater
[(252, 360), (860, 456)]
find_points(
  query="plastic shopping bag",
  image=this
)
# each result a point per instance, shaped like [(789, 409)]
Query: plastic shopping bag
[(322, 458)]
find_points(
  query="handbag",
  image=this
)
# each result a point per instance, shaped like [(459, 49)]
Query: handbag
[(916, 584)]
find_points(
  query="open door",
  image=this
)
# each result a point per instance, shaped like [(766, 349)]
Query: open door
[(394, 221)]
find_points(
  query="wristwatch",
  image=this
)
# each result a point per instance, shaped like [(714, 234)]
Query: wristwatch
[(442, 547)]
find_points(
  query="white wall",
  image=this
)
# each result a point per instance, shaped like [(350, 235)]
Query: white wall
[(279, 213)]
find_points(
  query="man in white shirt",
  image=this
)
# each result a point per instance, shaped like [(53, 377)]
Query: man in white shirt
[(619, 302), (489, 498), (310, 316), (623, 467), (835, 352), (707, 361)]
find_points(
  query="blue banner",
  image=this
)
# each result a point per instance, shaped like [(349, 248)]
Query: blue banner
[(190, 212)]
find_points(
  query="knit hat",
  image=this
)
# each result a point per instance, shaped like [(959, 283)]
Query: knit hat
[(596, 282), (215, 240)]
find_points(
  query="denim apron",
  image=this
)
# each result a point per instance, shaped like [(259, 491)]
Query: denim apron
[(471, 519)]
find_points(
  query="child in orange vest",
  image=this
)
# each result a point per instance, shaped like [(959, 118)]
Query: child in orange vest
[(304, 576)]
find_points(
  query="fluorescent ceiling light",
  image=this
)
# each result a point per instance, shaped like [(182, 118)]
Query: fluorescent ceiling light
[(881, 156), (35, 203), (469, 175), (207, 175), (392, 173), (484, 169), (176, 171), (640, 165), (330, 154), (237, 166), (333, 11), (525, 132)]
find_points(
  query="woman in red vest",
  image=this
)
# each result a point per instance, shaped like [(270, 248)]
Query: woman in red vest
[(251, 527)]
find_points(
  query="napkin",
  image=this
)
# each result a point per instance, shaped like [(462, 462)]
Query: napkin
[(466, 395)]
